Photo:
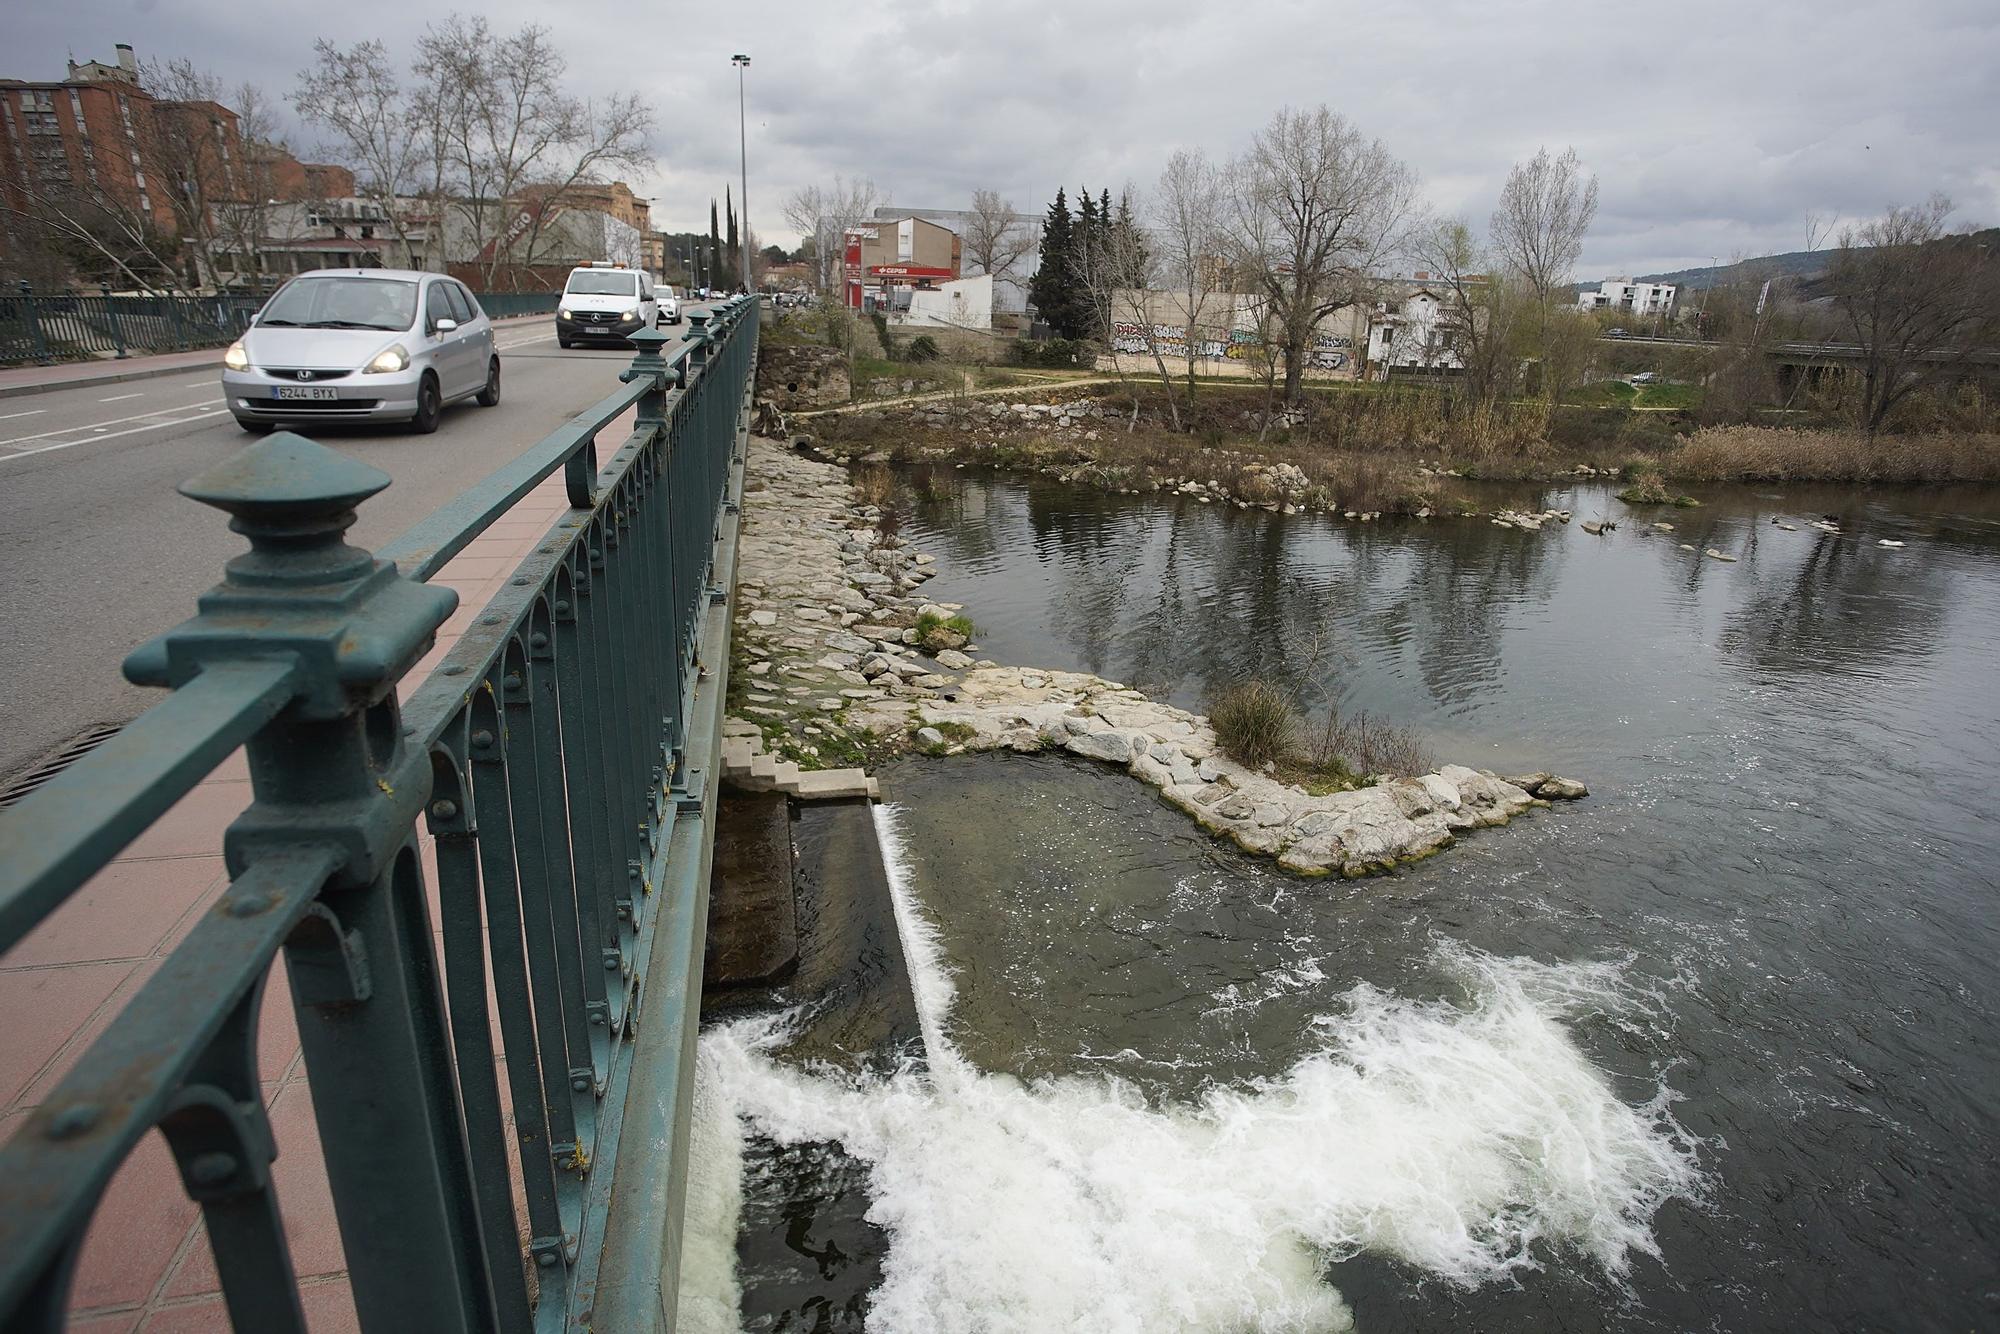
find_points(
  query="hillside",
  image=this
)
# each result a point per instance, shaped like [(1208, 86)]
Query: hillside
[(1792, 264)]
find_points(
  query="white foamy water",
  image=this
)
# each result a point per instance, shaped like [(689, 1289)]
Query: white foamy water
[(710, 1295), (1450, 1136)]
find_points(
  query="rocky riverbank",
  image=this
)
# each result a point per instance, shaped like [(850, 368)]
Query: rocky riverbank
[(840, 658), (1086, 441)]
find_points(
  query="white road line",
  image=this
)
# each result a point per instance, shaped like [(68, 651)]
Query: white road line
[(113, 421), (31, 412), (111, 435), (120, 398)]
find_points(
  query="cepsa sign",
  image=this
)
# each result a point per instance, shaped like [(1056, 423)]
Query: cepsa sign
[(907, 271), (851, 261)]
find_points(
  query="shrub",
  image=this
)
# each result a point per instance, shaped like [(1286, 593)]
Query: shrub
[(936, 633), (1254, 723), (922, 348), (1052, 353), (1363, 745)]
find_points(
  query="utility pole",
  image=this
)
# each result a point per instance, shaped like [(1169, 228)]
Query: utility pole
[(742, 62)]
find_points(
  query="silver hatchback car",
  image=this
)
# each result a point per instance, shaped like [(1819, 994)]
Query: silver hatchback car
[(362, 345)]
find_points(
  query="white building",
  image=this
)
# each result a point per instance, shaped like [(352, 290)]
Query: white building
[(1010, 293), (1415, 332), (1636, 299), (963, 303)]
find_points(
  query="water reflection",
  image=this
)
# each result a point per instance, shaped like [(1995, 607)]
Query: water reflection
[(1792, 758)]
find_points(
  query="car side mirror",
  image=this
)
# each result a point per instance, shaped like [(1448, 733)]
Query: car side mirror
[(445, 326)]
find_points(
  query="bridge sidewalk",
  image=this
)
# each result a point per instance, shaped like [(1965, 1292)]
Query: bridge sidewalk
[(146, 1265)]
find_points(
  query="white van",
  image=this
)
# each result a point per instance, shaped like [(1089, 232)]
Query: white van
[(605, 301)]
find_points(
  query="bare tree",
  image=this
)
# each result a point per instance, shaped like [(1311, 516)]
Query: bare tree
[(518, 147), (1481, 316), (355, 96), (1918, 299), (1545, 210), (822, 215), (1317, 207), (996, 241), (1188, 229), (1114, 269), (264, 203), (189, 150)]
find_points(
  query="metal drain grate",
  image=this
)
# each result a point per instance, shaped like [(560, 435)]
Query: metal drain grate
[(77, 747)]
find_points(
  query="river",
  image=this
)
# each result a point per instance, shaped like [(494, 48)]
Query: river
[(1712, 1049)]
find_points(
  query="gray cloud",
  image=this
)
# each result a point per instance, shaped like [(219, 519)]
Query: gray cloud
[(1715, 128)]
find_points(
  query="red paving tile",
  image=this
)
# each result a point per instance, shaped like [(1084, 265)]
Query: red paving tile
[(124, 912), (329, 1308), (137, 1229), (43, 1008), (194, 826), (88, 1033)]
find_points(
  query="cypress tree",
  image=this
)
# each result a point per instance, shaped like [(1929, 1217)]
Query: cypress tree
[(1053, 289), (735, 246), (714, 245), (1131, 243)]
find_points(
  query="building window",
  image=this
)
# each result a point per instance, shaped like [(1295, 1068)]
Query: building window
[(42, 122)]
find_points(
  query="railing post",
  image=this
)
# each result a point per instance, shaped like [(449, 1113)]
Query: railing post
[(334, 772), (34, 319), (111, 314)]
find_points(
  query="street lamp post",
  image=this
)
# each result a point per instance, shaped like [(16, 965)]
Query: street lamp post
[(742, 62)]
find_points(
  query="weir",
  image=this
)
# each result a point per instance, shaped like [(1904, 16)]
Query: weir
[(497, 1007)]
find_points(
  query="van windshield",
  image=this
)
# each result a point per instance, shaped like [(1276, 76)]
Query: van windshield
[(604, 282), (343, 303)]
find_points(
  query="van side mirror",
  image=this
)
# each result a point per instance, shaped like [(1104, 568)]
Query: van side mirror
[(445, 325)]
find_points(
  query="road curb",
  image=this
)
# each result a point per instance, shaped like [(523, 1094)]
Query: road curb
[(116, 377), (155, 372)]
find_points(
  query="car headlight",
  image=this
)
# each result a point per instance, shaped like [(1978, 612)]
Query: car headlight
[(389, 360), (567, 313), (236, 358), (630, 315)]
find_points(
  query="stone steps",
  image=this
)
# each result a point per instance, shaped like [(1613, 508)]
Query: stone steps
[(746, 768)]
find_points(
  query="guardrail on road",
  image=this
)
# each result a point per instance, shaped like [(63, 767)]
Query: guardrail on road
[(562, 756), (63, 326)]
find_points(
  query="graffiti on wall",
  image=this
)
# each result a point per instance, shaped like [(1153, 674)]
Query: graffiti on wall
[(1328, 351)]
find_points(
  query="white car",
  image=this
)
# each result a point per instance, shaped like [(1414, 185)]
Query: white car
[(670, 304), (605, 301), (362, 345)]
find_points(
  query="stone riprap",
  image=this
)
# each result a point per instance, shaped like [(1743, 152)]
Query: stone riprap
[(1349, 833), (827, 610), (826, 613)]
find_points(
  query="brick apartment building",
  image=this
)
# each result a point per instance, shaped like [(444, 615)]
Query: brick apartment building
[(97, 147)]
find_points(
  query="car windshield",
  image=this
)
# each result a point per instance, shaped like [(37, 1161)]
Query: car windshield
[(343, 303), (609, 282)]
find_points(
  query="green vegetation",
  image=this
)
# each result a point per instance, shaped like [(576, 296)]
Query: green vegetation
[(1254, 723), (954, 734), (936, 633), (1648, 489)]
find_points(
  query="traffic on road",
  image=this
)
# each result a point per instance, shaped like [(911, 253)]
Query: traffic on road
[(97, 534)]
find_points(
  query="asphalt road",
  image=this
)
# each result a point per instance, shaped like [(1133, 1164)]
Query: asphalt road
[(98, 551)]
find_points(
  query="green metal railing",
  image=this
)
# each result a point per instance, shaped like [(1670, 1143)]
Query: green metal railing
[(506, 305), (563, 756), (64, 326)]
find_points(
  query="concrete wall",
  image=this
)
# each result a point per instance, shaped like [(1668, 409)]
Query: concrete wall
[(1149, 320)]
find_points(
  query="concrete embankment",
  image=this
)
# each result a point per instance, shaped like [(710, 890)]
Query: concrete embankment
[(845, 659)]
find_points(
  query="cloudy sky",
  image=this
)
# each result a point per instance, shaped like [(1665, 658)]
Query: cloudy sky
[(1715, 127)]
